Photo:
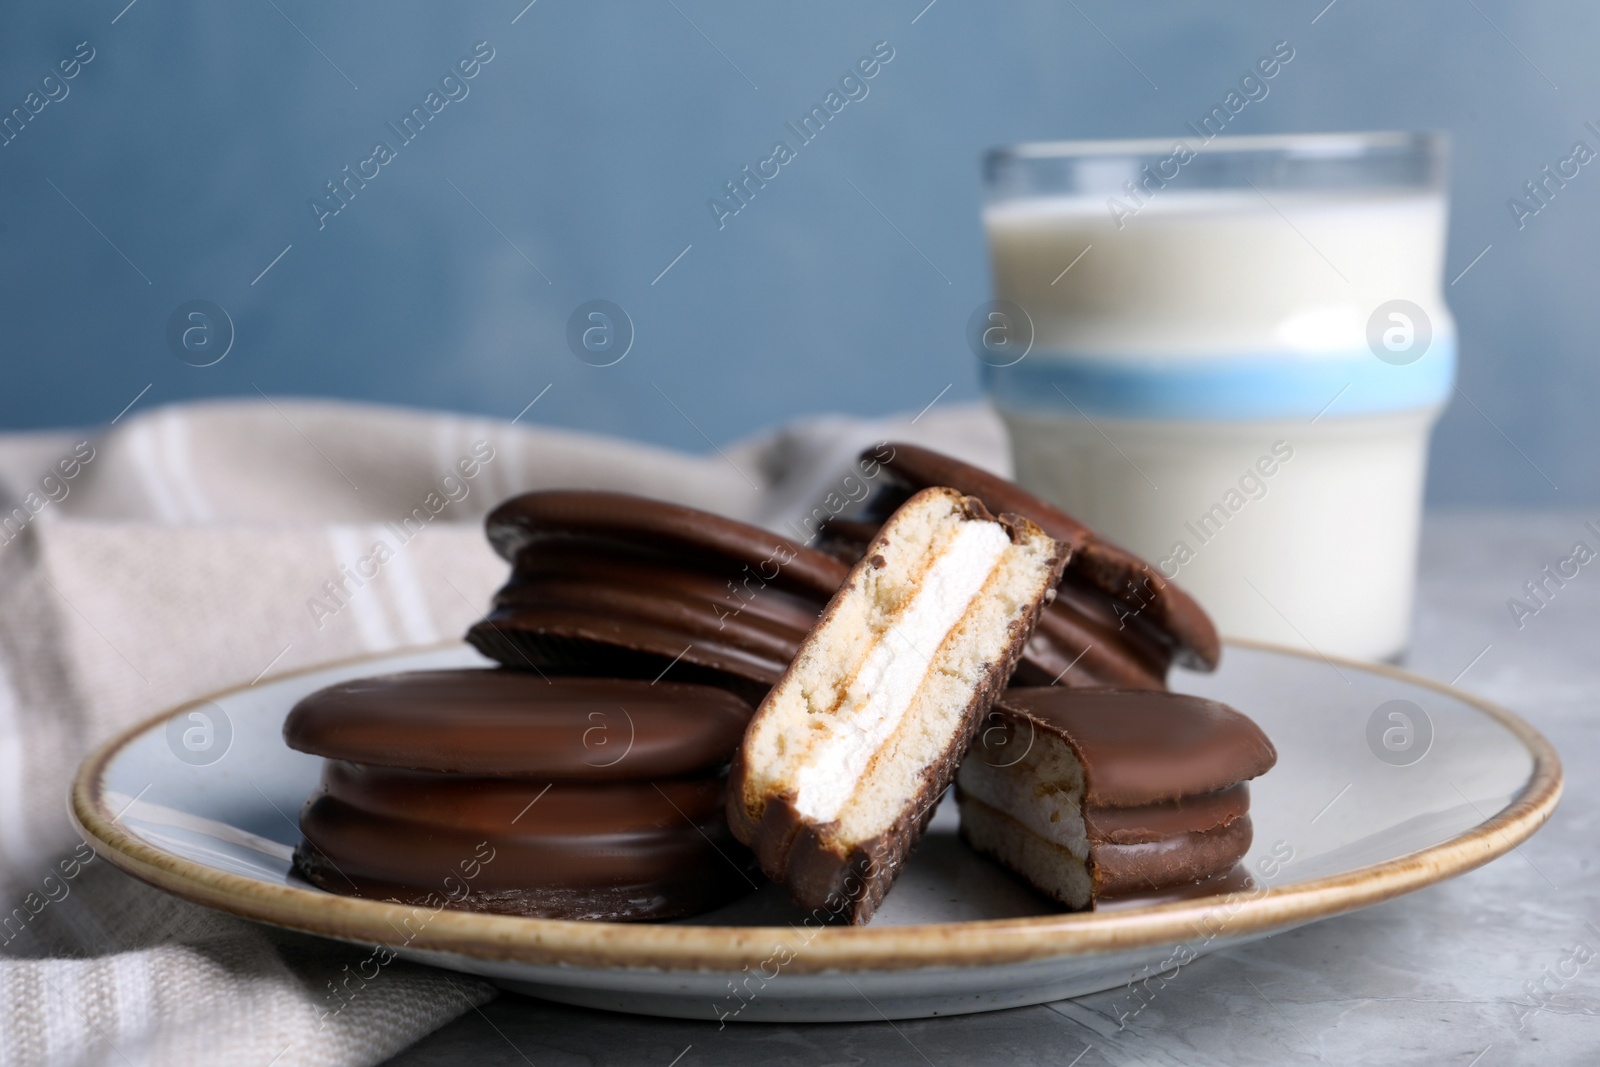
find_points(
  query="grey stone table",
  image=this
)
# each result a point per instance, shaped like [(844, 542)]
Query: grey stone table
[(1492, 968)]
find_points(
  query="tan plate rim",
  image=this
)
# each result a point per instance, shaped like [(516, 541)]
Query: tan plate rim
[(990, 942)]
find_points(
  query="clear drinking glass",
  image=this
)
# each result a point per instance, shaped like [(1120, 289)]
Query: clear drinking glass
[(1229, 355)]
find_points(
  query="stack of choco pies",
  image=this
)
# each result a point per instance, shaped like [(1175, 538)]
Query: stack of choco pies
[(684, 701)]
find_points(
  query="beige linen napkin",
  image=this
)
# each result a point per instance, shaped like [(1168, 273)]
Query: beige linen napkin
[(197, 547)]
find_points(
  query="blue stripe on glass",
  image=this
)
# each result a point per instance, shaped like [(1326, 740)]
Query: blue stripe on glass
[(1286, 385)]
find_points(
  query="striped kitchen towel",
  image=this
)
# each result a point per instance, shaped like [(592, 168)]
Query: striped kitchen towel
[(192, 548)]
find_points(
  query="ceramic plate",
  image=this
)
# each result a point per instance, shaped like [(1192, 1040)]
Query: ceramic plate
[(1386, 783)]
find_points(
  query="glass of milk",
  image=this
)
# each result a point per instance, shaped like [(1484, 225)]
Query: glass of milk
[(1228, 355)]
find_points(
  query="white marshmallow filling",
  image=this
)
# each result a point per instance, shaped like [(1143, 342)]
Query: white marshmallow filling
[(886, 685)]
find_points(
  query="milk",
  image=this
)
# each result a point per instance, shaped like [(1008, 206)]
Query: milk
[(1196, 274), (1200, 337)]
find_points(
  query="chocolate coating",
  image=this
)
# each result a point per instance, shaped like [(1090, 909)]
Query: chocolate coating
[(1115, 621), (672, 529), (1155, 822), (1149, 866), (1235, 879), (503, 791), (1081, 641), (1142, 747), (624, 585), (1165, 800), (1150, 859), (501, 722), (620, 851)]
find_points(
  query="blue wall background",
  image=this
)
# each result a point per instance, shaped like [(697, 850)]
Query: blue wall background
[(580, 164)]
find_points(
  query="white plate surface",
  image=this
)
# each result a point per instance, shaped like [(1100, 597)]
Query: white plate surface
[(1361, 806)]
